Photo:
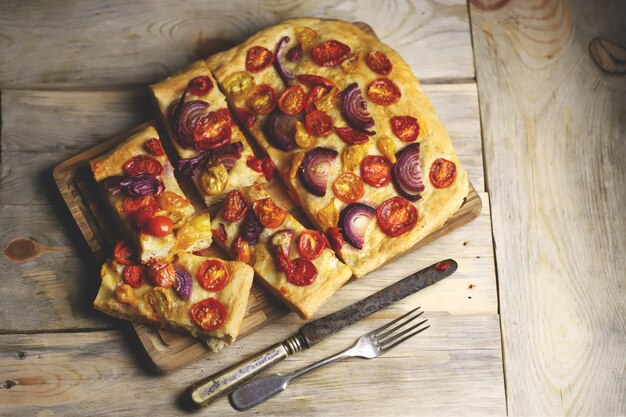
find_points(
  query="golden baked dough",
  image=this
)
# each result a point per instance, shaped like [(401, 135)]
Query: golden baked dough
[(170, 90), (435, 206), (305, 300), (118, 299), (187, 235)]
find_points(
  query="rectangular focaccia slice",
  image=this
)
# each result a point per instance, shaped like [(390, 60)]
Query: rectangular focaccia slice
[(181, 302), (367, 150), (301, 291), (139, 185), (204, 126)]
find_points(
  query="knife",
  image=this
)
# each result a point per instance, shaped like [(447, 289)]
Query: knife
[(205, 391)]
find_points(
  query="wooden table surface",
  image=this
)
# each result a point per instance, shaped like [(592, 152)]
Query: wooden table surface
[(534, 321)]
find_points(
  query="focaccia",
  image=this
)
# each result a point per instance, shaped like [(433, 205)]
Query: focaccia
[(139, 185), (351, 133), (294, 263), (204, 297), (211, 147)]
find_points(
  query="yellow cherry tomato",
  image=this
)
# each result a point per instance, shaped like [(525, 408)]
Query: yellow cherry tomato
[(202, 222), (351, 65), (326, 102), (238, 83), (329, 215), (387, 146), (296, 160), (159, 300), (303, 139), (214, 180), (306, 36), (353, 155)]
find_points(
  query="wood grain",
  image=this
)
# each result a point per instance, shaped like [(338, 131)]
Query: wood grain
[(119, 42), (554, 126)]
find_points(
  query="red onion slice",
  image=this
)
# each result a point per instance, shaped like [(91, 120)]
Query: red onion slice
[(354, 109), (315, 168), (285, 74), (407, 173), (295, 53), (225, 154), (281, 241), (142, 185), (251, 228), (183, 283), (354, 220), (280, 129), (185, 119), (112, 184)]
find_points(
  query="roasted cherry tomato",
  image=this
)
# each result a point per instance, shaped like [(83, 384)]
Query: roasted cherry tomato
[(158, 226), (301, 272), (211, 131), (140, 217), (255, 164), (213, 275), (291, 101), (133, 204), (214, 179), (311, 244), (348, 187), (378, 62), (302, 137), (162, 274), (134, 275), (200, 86), (154, 147), (315, 94), (246, 117), (311, 81), (235, 206), (238, 83), (384, 92), (330, 53), (224, 113), (351, 136), (352, 64), (258, 58), (170, 201), (396, 216), (220, 233), (241, 249), (268, 168), (306, 36), (326, 102), (143, 164), (318, 123), (329, 215), (375, 171), (442, 173), (405, 127), (268, 213), (335, 238), (261, 99), (209, 314), (123, 253)]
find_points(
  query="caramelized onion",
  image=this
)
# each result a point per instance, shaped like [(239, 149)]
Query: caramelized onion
[(354, 109), (315, 168), (407, 173)]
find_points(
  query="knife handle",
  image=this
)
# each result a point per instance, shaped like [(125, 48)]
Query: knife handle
[(205, 391)]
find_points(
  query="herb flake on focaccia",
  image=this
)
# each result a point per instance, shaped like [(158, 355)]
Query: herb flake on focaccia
[(139, 185), (296, 264), (351, 133)]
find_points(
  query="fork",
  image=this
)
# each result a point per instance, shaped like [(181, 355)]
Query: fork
[(369, 346)]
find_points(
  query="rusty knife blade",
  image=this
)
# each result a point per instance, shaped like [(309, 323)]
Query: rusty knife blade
[(320, 329)]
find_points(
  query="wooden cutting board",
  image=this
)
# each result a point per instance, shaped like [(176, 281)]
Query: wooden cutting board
[(165, 349)]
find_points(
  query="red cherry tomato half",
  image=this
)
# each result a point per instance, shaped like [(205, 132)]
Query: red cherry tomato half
[(318, 123), (154, 147), (209, 314), (220, 233), (405, 127), (311, 244), (330, 53), (268, 168), (378, 62), (316, 93), (140, 217), (143, 164), (200, 86), (261, 99), (312, 81), (255, 164), (348, 187), (224, 113), (132, 204), (384, 92), (162, 274), (335, 238), (376, 171), (396, 216), (246, 117), (351, 136), (211, 131), (442, 173), (123, 253), (213, 275), (241, 250), (268, 213), (258, 58), (235, 206), (158, 226), (134, 275), (291, 101), (301, 272)]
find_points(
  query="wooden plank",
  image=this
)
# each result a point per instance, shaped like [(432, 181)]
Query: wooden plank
[(95, 44), (58, 373), (553, 125)]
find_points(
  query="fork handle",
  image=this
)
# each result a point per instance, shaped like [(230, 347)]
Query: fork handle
[(256, 391)]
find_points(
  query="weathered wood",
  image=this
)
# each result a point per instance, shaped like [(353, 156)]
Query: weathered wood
[(553, 126), (445, 371), (119, 42)]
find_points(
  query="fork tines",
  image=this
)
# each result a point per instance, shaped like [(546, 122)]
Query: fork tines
[(394, 336)]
